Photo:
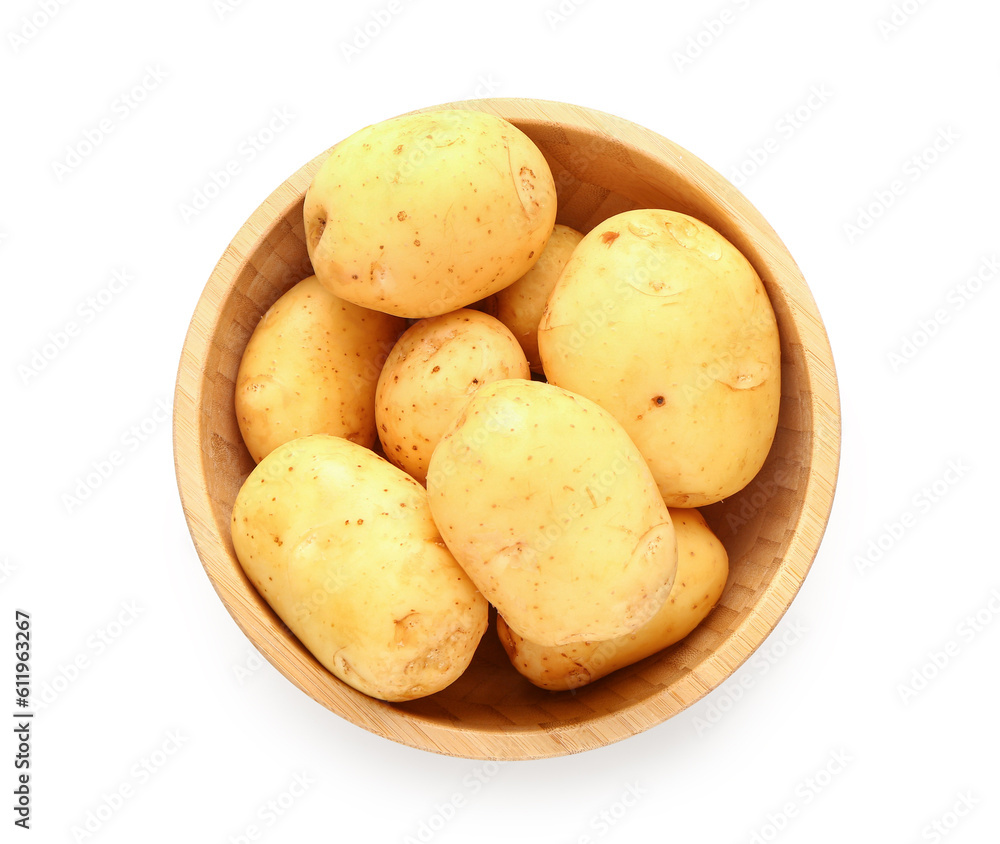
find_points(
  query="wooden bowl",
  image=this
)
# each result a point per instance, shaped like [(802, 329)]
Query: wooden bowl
[(772, 529)]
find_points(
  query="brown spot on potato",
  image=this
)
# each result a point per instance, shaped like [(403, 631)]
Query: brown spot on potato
[(317, 232), (610, 237), (403, 627), (341, 662)]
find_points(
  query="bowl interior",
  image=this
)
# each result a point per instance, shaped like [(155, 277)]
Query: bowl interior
[(602, 165)]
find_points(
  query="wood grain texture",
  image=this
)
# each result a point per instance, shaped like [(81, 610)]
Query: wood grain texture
[(772, 529)]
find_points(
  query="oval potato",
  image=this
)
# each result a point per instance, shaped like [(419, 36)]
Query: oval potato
[(702, 570), (431, 372), (551, 510), (311, 367), (426, 213), (520, 306), (664, 323), (342, 546)]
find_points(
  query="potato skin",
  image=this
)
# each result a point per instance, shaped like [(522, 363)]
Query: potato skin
[(702, 570), (341, 544), (426, 213), (431, 372), (663, 322), (311, 367), (520, 306), (549, 507)]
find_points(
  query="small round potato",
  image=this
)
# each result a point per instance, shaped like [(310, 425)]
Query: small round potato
[(520, 306), (702, 570), (664, 323), (431, 372), (427, 213), (310, 367), (341, 544), (548, 505)]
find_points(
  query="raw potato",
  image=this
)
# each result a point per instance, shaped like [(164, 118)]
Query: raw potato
[(311, 367), (702, 569), (664, 323), (520, 306), (551, 510), (429, 376), (341, 544), (427, 213)]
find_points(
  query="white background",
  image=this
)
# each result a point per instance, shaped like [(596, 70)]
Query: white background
[(841, 728)]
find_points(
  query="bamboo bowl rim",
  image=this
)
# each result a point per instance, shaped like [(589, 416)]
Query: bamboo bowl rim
[(193, 463)]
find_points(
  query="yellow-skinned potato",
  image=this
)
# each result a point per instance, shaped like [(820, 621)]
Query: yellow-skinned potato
[(341, 544), (311, 367), (431, 372), (702, 569), (663, 322), (551, 510), (520, 305), (426, 213)]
